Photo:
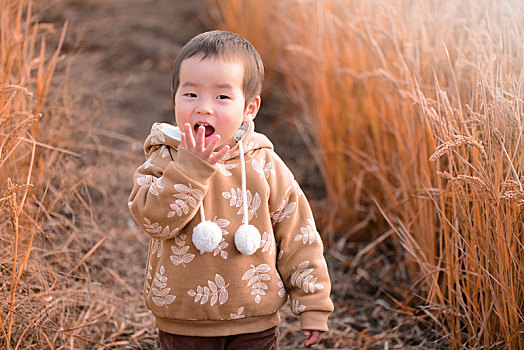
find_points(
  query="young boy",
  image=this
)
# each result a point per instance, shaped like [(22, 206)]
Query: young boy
[(231, 232)]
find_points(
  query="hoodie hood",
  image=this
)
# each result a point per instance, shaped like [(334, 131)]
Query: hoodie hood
[(165, 134)]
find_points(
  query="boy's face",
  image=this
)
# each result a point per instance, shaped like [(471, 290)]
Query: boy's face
[(210, 94)]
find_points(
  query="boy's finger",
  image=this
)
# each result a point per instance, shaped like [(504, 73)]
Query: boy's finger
[(190, 141), (211, 144), (200, 138), (183, 140), (218, 155)]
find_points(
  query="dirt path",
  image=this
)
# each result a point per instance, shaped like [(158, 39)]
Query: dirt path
[(119, 62)]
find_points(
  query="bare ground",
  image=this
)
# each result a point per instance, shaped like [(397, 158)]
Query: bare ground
[(117, 67)]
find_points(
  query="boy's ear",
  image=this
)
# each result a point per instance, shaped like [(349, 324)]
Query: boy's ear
[(251, 109)]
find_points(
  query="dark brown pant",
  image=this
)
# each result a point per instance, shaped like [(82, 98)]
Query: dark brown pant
[(265, 340)]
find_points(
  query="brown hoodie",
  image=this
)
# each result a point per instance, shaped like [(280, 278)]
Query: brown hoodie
[(225, 292)]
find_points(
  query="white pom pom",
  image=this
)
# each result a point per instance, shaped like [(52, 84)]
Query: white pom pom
[(206, 236), (247, 239)]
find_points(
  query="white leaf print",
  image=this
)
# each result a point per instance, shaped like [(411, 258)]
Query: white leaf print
[(262, 167), (260, 285), (283, 211), (220, 249), (308, 234), (175, 259), (249, 273), (168, 299), (263, 268), (182, 188), (212, 286), (148, 277), (222, 223), (219, 280), (235, 197), (157, 183), (224, 168), (149, 268), (180, 240), (300, 278), (157, 136), (187, 258), (152, 228), (156, 247), (255, 275), (180, 256), (252, 280), (250, 146), (216, 292), (222, 296), (164, 151), (296, 307), (282, 290), (186, 195), (162, 297), (223, 244), (267, 243), (253, 204), (145, 180), (238, 314), (147, 164), (157, 230), (264, 277), (214, 298)]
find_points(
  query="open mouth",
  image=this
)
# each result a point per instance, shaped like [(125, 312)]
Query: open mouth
[(209, 129)]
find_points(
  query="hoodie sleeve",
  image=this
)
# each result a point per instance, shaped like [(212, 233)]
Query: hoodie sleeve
[(301, 261), (167, 192)]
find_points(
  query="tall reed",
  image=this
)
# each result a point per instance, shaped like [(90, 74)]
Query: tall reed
[(417, 110), (26, 68)]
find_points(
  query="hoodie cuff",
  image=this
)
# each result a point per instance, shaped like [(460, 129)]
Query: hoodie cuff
[(314, 320), (193, 166)]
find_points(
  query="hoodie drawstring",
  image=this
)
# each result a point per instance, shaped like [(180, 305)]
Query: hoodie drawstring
[(247, 237), (245, 220), (207, 235)]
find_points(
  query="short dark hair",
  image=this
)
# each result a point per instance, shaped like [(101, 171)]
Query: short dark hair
[(229, 46)]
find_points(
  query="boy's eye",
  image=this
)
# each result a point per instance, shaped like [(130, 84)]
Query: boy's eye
[(190, 94), (222, 97)]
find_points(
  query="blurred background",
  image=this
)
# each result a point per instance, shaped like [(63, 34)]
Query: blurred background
[(402, 120)]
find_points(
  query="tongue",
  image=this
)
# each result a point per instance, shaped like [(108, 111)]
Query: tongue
[(209, 130)]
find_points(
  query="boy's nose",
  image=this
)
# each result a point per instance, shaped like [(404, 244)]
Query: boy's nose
[(204, 107)]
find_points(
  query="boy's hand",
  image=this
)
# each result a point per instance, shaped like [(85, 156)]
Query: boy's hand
[(313, 337), (198, 146)]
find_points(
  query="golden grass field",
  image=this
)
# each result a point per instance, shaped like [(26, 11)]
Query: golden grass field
[(412, 110), (416, 111)]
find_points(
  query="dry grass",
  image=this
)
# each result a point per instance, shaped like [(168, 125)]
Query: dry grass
[(51, 296), (25, 76), (416, 111)]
